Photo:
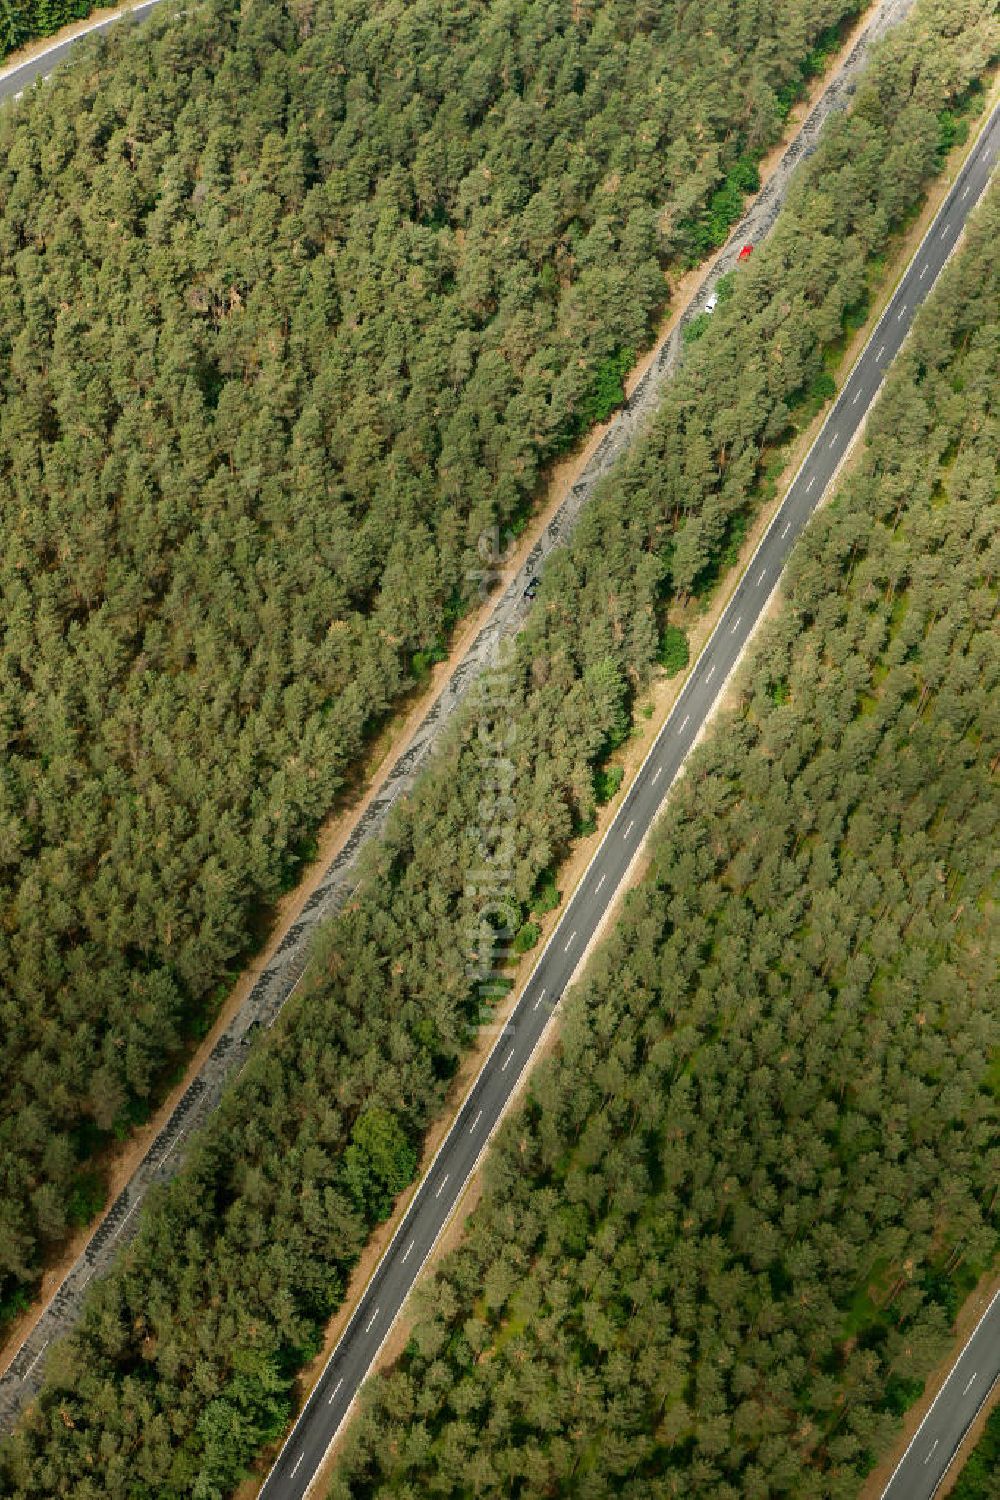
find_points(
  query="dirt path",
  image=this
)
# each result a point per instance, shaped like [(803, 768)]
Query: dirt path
[(264, 986)]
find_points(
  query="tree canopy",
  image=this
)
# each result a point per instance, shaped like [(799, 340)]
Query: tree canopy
[(295, 300), (239, 1262)]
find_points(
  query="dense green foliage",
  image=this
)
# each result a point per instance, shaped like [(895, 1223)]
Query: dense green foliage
[(23, 20), (250, 1248), (722, 1243), (673, 654), (295, 300), (980, 1477)]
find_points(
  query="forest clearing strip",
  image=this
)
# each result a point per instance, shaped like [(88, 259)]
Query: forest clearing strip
[(117, 1164), (289, 948)]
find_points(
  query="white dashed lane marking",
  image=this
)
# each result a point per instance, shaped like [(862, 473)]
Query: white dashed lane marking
[(333, 1394)]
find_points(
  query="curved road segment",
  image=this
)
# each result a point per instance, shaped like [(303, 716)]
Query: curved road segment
[(14, 80), (484, 1106)]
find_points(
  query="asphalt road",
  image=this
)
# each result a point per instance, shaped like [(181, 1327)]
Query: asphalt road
[(953, 1410), (15, 80), (279, 976), (438, 1194)]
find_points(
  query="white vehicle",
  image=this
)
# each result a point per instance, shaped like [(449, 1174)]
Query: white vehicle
[(712, 303)]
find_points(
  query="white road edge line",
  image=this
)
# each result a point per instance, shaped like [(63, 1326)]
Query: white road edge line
[(128, 1216), (166, 1153)]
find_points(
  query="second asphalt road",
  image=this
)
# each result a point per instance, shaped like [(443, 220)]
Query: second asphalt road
[(487, 1100)]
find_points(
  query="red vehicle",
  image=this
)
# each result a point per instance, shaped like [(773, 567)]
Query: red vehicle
[(745, 253)]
